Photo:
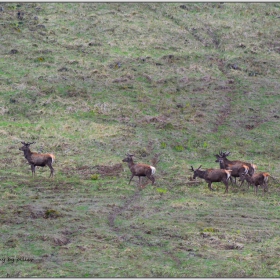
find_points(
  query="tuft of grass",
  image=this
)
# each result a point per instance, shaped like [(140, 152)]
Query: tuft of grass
[(94, 177)]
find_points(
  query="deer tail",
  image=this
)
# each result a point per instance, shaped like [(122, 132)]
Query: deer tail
[(228, 172), (53, 157), (153, 170)]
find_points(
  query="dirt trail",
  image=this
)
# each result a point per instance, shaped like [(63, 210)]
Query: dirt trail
[(117, 211)]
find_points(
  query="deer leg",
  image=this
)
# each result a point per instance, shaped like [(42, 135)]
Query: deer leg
[(265, 188), (242, 181), (226, 184), (51, 174), (256, 189), (33, 170), (231, 180), (131, 178), (209, 186), (151, 177), (139, 181), (51, 168)]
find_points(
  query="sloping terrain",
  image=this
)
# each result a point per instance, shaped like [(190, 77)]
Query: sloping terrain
[(171, 83)]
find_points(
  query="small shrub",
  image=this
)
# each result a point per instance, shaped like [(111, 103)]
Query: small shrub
[(210, 229), (94, 177), (50, 213), (163, 145), (179, 148), (161, 191)]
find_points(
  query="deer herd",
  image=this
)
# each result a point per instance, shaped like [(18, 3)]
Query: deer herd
[(227, 171), (233, 169)]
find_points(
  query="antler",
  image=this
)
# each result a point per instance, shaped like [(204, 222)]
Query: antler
[(196, 169), (27, 144), (223, 154)]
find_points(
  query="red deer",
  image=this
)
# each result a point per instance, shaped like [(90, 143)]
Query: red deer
[(35, 159), (238, 167), (258, 179), (140, 169), (212, 175)]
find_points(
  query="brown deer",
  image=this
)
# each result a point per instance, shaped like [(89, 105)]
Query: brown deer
[(256, 180), (238, 167), (212, 175), (140, 169), (35, 159)]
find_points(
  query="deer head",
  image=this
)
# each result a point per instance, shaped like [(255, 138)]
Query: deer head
[(221, 156), (25, 146), (195, 172), (128, 158)]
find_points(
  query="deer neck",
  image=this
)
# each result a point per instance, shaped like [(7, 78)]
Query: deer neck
[(130, 164), (201, 174), (27, 154), (225, 163)]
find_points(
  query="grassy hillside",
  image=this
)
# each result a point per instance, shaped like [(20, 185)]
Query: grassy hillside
[(174, 82)]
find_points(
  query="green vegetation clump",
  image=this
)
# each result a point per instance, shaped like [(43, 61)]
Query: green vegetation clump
[(94, 177), (50, 213)]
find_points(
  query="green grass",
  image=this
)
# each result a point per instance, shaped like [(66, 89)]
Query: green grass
[(91, 82)]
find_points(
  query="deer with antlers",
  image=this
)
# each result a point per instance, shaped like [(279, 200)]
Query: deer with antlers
[(238, 167), (140, 169), (212, 175), (35, 159)]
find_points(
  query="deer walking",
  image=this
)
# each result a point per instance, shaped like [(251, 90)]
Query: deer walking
[(35, 159), (238, 167), (256, 180), (212, 175), (140, 169)]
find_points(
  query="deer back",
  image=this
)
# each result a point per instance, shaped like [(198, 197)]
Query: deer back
[(217, 175)]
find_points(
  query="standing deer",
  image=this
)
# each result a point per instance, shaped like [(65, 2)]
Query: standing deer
[(140, 169), (212, 175), (238, 167), (258, 179), (35, 159)]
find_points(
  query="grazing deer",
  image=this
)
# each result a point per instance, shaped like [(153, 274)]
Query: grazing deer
[(35, 159), (212, 175), (140, 169), (238, 167), (256, 180)]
